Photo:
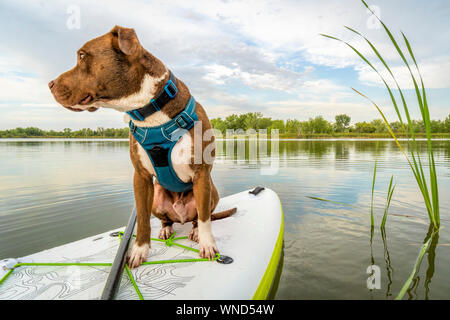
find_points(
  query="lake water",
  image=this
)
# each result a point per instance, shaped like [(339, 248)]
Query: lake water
[(57, 191)]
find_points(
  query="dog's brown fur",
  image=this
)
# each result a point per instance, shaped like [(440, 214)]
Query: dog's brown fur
[(112, 67)]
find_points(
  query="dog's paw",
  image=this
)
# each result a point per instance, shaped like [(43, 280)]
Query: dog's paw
[(165, 232), (208, 248), (138, 254), (193, 235)]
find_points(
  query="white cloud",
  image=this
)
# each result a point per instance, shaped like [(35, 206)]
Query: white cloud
[(40, 105), (279, 80), (218, 74), (435, 73), (261, 47), (21, 88)]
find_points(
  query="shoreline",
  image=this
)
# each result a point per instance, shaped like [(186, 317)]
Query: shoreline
[(95, 139), (284, 137)]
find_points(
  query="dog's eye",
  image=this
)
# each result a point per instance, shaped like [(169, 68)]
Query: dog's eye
[(81, 55)]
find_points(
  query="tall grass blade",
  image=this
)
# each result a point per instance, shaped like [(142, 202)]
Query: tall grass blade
[(388, 202), (427, 121), (374, 49), (373, 68), (417, 175), (332, 201), (423, 106), (431, 196), (372, 220), (405, 107)]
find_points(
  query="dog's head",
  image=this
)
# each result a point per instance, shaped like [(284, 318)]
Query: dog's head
[(108, 68)]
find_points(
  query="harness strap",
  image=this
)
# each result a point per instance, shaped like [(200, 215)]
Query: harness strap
[(182, 122), (171, 130), (169, 92), (159, 142)]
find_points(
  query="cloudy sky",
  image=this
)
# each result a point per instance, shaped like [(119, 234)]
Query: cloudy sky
[(235, 56)]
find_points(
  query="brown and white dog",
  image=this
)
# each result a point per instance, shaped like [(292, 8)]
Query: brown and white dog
[(115, 71)]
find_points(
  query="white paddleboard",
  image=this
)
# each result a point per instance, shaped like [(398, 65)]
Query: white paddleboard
[(252, 237)]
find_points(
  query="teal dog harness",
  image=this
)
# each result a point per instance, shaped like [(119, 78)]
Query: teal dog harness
[(159, 141)]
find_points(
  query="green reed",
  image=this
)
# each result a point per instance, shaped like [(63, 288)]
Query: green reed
[(372, 220), (332, 201), (388, 201), (428, 189)]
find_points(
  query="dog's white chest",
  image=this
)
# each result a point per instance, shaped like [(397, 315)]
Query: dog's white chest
[(181, 158)]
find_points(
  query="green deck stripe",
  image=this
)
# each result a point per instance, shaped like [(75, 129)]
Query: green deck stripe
[(262, 292), (133, 282)]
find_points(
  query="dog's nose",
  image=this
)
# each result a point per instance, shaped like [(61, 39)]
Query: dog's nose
[(51, 84)]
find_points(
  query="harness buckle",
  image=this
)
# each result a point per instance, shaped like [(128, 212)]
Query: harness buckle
[(155, 104), (137, 115), (171, 89), (181, 121)]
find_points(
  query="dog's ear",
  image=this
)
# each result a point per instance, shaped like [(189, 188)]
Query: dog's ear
[(127, 40)]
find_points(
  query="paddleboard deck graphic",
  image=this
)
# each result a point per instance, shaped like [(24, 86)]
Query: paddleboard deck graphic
[(252, 237)]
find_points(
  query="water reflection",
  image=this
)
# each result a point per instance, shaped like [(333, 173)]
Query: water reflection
[(387, 259), (372, 259), (431, 256), (341, 151), (274, 288), (54, 192)]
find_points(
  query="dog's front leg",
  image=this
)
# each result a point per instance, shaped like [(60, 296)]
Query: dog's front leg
[(202, 196), (143, 195)]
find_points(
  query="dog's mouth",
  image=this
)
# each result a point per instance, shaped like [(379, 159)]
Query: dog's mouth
[(86, 100), (73, 109)]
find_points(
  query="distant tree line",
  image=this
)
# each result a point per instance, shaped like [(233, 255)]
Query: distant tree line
[(251, 120), (318, 125), (31, 132)]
